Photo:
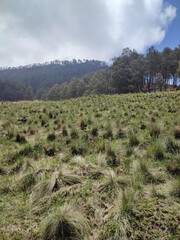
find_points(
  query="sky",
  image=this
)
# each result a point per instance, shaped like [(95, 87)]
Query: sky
[(44, 30)]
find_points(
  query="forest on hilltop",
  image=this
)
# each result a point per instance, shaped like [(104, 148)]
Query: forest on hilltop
[(130, 72), (28, 82)]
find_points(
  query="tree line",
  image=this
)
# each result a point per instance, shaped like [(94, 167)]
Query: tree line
[(130, 72)]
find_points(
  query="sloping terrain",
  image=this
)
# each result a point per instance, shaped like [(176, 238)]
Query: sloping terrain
[(98, 167)]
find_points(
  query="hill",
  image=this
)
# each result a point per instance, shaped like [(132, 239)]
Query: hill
[(101, 167), (131, 72), (24, 82)]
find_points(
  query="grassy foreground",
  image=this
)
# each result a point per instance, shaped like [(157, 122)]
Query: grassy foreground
[(101, 167)]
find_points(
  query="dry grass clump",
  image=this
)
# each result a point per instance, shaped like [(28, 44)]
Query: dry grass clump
[(53, 184), (151, 174), (111, 157), (120, 132), (172, 146), (159, 150), (133, 140), (176, 188), (113, 183), (117, 225), (66, 224), (154, 129), (29, 179)]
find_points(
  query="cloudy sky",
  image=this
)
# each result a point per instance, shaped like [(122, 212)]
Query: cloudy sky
[(44, 30)]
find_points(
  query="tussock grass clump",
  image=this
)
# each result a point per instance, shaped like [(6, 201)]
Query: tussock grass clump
[(66, 223), (133, 140), (26, 181), (120, 132), (74, 134), (154, 129), (125, 200), (177, 132), (117, 224), (113, 183), (176, 188), (83, 124), (29, 176), (101, 160), (159, 150), (94, 131), (51, 137), (108, 133), (64, 132), (2, 171), (42, 189), (111, 157), (77, 150), (173, 168), (53, 184), (129, 151), (150, 174), (143, 126), (172, 146), (50, 150), (20, 138)]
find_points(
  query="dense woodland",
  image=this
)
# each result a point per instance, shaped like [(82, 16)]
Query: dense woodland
[(130, 72), (30, 81)]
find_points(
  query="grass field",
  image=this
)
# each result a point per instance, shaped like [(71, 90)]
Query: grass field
[(97, 167)]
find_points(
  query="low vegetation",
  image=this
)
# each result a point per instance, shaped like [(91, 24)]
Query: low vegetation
[(97, 167)]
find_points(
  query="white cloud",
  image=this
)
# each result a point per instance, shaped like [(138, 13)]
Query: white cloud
[(43, 30)]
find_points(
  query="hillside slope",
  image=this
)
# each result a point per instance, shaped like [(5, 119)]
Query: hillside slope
[(101, 167), (42, 76)]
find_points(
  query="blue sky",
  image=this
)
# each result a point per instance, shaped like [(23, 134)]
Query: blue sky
[(172, 38)]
